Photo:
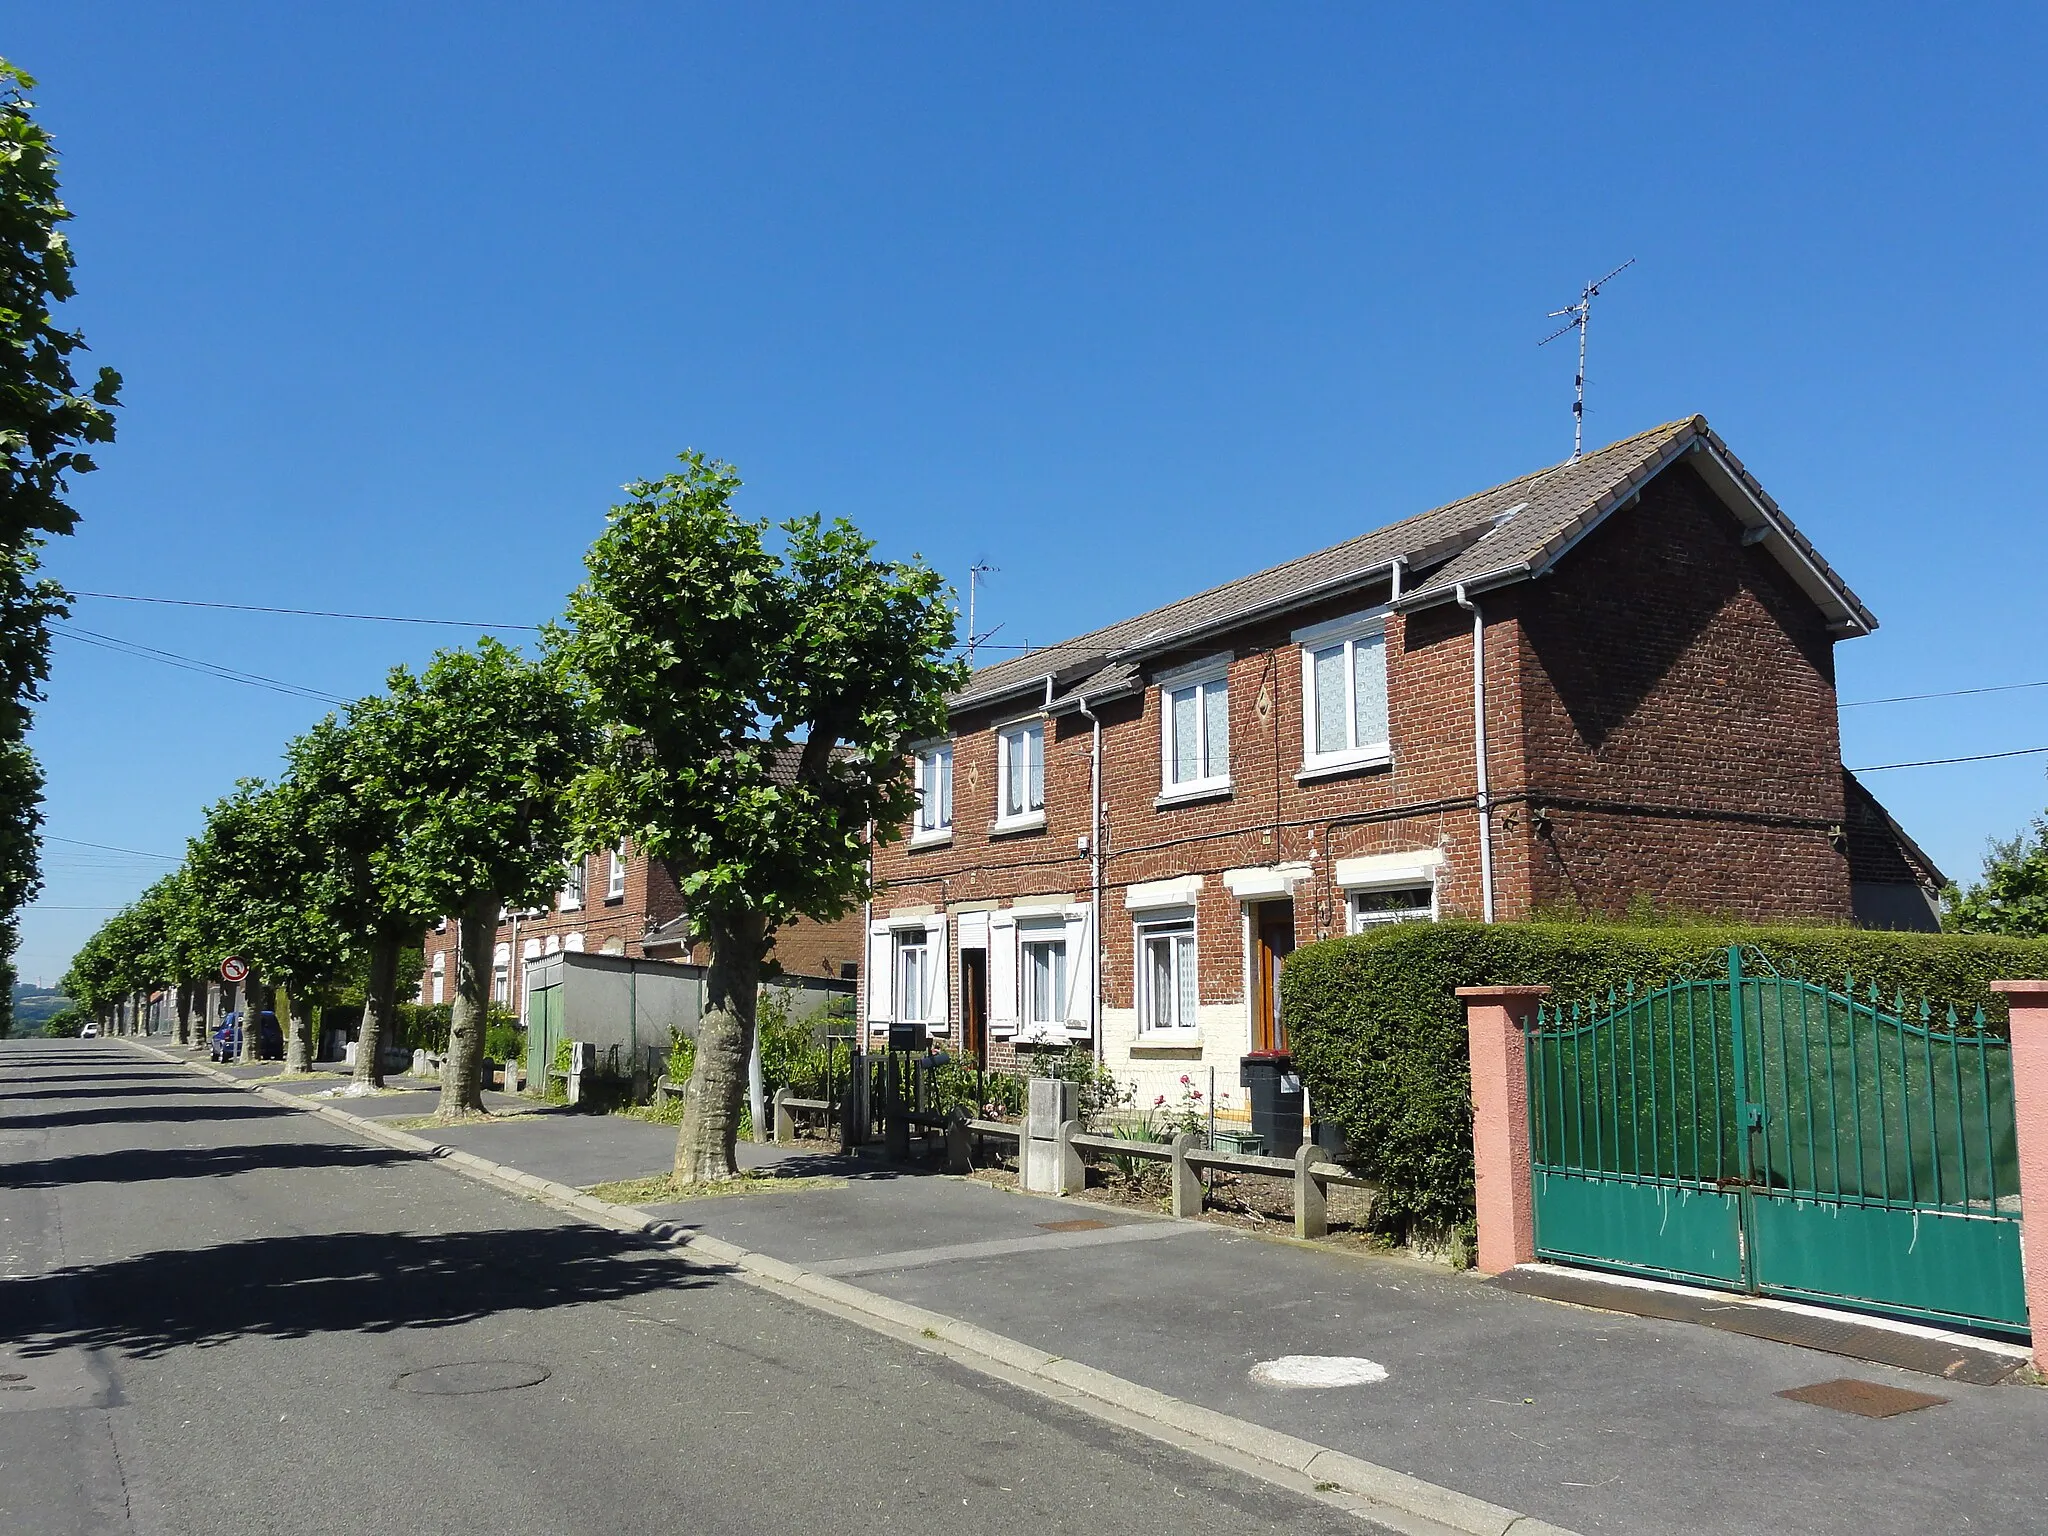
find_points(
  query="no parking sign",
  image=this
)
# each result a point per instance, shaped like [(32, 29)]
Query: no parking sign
[(234, 969)]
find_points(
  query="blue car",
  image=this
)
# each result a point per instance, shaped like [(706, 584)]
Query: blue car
[(226, 1044)]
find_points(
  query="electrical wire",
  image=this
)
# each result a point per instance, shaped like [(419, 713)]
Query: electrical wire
[(1936, 762), (192, 664), (1948, 693), (51, 837), (303, 613)]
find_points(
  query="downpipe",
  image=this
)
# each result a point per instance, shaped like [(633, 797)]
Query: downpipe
[(1095, 879), (1485, 795)]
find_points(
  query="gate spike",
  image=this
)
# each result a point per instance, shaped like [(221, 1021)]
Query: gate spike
[(1952, 1020), (1977, 1021)]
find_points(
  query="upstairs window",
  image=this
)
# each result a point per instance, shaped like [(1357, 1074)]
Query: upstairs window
[(615, 884), (1344, 694), (572, 886), (1020, 769), (1195, 732), (934, 791)]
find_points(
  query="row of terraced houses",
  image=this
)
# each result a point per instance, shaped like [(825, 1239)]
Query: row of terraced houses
[(1604, 684)]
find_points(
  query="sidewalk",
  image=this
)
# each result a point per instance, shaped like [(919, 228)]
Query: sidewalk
[(1595, 1421)]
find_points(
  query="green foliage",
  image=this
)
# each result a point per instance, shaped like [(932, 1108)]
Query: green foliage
[(2012, 896), (756, 705), (46, 423), (504, 1039), (67, 1023), (1379, 1036), (422, 1026), (1099, 1093), (264, 888)]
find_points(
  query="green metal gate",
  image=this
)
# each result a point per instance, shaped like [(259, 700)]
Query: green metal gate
[(1762, 1134)]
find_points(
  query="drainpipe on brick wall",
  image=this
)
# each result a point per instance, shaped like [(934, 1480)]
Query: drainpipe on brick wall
[(1479, 752), (864, 1004), (1095, 878)]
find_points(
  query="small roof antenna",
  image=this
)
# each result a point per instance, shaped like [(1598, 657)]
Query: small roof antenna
[(1579, 313), (975, 572)]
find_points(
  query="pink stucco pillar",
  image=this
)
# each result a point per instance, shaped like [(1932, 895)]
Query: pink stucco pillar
[(1500, 1122), (2029, 1001)]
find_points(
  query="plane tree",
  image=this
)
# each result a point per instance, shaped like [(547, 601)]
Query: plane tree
[(755, 705)]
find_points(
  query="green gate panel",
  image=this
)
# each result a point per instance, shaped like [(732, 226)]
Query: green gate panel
[(1924, 1263), (1667, 1230)]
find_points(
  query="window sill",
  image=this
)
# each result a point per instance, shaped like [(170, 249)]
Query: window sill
[(1349, 762), (1165, 1040), (614, 901), (1032, 823), (939, 839), (1191, 794)]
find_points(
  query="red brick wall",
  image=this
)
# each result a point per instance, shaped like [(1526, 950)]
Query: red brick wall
[(1681, 722)]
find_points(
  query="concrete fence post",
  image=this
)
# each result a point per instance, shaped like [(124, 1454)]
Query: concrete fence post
[(1187, 1179), (959, 1143), (1042, 1152), (1072, 1171), (1504, 1192), (1311, 1202), (2029, 1000), (785, 1117)]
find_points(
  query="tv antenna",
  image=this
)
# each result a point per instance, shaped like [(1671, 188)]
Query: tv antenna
[(975, 572), (1579, 313)]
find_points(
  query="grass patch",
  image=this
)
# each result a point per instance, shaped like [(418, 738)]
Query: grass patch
[(422, 1122), (659, 1189)]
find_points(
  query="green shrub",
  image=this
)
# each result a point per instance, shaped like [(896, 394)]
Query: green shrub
[(504, 1040), (1378, 1034)]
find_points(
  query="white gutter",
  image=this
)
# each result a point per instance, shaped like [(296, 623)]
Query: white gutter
[(1479, 752), (1095, 877)]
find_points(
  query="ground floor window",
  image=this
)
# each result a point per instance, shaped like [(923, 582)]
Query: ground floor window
[(1166, 976), (913, 974), (1395, 904), (1044, 965)]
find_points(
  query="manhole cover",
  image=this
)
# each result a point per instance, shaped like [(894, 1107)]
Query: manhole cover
[(1318, 1371), (1078, 1224), (1871, 1399), (472, 1376)]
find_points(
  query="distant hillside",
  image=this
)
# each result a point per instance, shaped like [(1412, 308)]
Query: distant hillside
[(34, 1004)]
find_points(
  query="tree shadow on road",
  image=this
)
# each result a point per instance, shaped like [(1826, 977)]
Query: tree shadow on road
[(155, 1087), (142, 1165), (342, 1282), (125, 1114)]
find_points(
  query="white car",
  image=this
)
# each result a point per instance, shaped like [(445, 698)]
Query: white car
[(90, 1032)]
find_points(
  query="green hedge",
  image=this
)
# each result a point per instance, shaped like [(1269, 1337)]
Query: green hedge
[(1379, 1036)]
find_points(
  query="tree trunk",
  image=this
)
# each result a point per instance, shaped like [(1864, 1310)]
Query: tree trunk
[(462, 1067), (379, 1008), (251, 1006), (725, 1040), (296, 1015), (184, 1014)]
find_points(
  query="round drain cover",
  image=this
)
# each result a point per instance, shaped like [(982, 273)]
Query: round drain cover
[(1318, 1371), (472, 1376)]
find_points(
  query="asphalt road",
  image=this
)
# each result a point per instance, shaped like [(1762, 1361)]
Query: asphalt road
[(221, 1315)]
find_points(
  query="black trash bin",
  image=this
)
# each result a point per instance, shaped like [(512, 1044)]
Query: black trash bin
[(1276, 1100)]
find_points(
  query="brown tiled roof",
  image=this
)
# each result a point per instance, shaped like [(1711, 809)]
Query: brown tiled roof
[(1879, 849), (1509, 533)]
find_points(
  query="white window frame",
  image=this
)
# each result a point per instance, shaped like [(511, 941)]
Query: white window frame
[(615, 878), (1008, 734), (1201, 676), (903, 942), (934, 758), (1347, 632), (1050, 936), (1178, 929), (572, 886), (1356, 921)]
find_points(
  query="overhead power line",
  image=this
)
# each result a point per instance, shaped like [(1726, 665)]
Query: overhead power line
[(75, 842), (303, 613), (1947, 693), (192, 664), (1937, 762)]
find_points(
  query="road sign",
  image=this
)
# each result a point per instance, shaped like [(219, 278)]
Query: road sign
[(234, 969)]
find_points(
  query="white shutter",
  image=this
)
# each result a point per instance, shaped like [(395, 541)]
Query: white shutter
[(1080, 967), (1002, 973), (879, 983), (937, 1009)]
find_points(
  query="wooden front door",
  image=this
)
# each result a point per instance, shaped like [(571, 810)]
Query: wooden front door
[(1272, 943), (974, 1004)]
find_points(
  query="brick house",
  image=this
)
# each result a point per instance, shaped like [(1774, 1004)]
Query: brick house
[(1606, 683), (620, 902)]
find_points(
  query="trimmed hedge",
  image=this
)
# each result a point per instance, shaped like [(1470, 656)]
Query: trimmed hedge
[(1378, 1034)]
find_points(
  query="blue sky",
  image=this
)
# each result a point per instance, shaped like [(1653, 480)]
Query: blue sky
[(1124, 300)]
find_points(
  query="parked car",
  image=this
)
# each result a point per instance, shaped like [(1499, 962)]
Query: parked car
[(226, 1042), (90, 1032)]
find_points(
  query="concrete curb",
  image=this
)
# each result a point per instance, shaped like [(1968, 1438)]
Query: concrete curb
[(1392, 1498)]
